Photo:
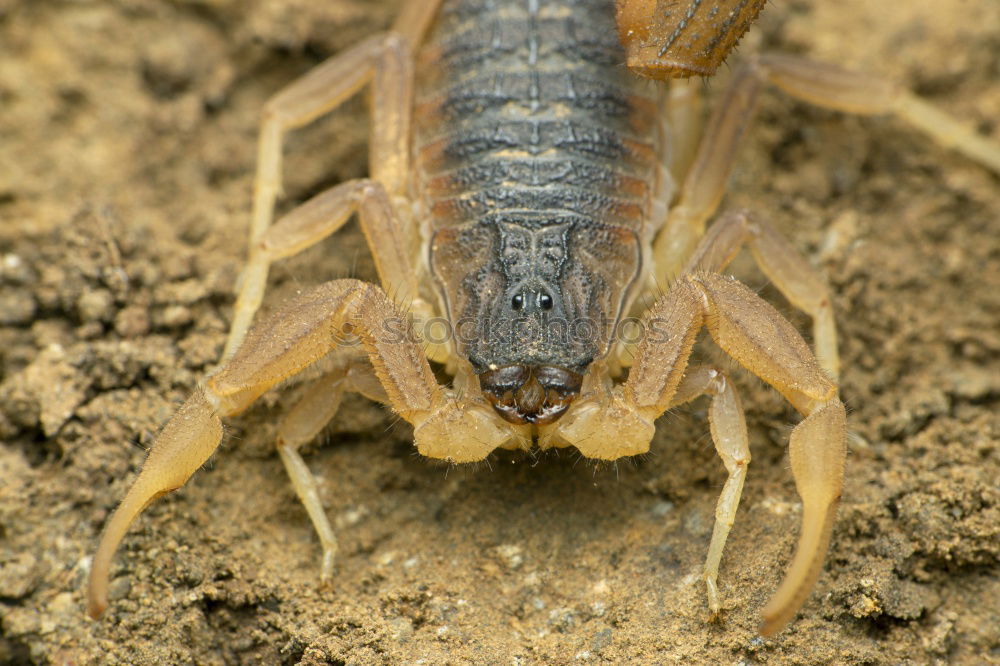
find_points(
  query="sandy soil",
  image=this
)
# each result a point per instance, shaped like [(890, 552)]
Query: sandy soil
[(127, 135)]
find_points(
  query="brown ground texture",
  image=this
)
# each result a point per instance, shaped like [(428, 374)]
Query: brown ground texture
[(127, 146)]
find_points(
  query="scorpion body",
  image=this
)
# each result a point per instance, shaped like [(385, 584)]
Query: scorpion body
[(537, 156)]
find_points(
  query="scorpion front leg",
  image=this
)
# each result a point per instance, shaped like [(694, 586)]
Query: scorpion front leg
[(729, 433), (294, 338), (301, 425), (610, 425)]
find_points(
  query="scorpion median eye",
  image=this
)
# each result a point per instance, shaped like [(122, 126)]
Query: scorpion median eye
[(517, 302), (544, 301)]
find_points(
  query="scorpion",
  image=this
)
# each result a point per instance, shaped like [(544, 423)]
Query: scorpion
[(533, 193)]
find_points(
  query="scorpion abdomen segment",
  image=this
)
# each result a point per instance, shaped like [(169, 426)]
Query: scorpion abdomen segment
[(523, 105)]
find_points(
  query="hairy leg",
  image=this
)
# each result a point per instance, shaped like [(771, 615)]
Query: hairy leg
[(785, 266), (822, 84), (385, 62)]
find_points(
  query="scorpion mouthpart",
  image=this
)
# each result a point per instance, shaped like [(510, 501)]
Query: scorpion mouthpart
[(530, 394)]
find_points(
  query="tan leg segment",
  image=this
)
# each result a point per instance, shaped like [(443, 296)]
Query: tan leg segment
[(705, 183), (685, 108), (754, 334), (729, 433), (830, 86), (414, 19), (301, 425), (383, 60), (782, 264), (327, 212), (306, 330), (821, 84)]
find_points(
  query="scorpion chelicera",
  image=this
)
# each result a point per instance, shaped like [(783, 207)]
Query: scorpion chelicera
[(531, 192)]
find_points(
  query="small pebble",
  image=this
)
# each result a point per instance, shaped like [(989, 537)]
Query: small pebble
[(63, 604), (17, 306), (13, 269), (173, 316), (662, 508), (19, 575), (132, 322), (95, 306), (401, 629), (510, 556), (21, 621), (119, 588), (601, 640), (562, 619)]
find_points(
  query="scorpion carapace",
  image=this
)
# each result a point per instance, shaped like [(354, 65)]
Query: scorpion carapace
[(532, 307)]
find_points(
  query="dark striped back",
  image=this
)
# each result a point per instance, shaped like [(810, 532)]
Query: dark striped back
[(536, 153), (525, 105)]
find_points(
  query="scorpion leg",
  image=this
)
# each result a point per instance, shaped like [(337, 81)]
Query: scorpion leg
[(821, 84), (301, 425), (608, 425), (835, 88), (782, 264), (704, 185), (729, 433), (301, 333), (685, 111), (384, 228), (386, 62)]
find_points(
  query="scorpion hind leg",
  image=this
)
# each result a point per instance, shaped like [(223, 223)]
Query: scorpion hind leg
[(382, 62), (821, 84)]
